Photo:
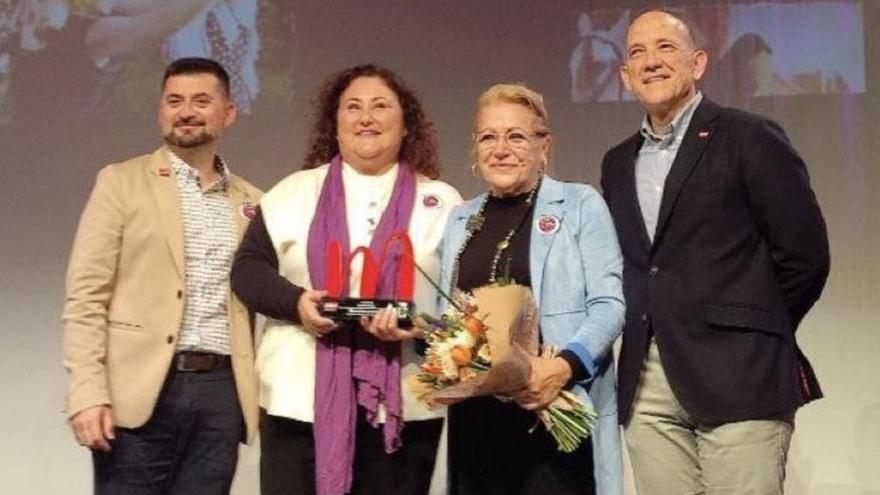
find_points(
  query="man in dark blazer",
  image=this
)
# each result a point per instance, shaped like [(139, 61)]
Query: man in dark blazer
[(725, 251)]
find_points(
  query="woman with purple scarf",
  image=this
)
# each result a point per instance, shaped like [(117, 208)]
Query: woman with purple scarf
[(337, 415)]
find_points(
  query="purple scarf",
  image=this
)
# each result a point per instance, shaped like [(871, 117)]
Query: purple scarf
[(353, 368)]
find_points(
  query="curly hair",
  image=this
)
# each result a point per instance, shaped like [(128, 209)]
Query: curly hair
[(419, 145)]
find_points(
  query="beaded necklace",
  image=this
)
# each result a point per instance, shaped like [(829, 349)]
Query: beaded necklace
[(476, 222)]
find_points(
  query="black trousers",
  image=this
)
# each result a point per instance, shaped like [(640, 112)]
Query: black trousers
[(189, 446), (287, 462), (491, 452)]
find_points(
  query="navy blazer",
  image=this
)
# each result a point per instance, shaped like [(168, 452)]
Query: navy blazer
[(739, 256)]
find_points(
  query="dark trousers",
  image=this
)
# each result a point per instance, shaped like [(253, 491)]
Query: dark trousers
[(189, 446), (287, 462), (492, 452)]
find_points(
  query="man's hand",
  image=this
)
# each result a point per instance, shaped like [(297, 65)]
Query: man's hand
[(384, 327), (310, 316), (546, 382), (93, 427)]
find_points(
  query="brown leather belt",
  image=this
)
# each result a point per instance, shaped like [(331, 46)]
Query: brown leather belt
[(195, 361)]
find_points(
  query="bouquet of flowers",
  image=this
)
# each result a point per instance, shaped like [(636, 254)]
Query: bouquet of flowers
[(482, 345)]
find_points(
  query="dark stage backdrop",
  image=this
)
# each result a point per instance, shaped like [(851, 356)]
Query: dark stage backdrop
[(79, 84)]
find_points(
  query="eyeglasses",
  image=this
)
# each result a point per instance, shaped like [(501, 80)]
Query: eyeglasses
[(515, 138)]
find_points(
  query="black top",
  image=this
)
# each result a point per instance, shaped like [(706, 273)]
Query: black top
[(255, 278), (501, 215)]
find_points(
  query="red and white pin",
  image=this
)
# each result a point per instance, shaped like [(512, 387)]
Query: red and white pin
[(548, 224), (703, 134), (431, 201), (248, 210)]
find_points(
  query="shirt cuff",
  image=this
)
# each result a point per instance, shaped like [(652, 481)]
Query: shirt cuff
[(579, 372)]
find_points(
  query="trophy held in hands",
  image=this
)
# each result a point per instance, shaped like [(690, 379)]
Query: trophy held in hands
[(396, 260)]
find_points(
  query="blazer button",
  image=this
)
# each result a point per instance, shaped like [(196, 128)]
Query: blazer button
[(180, 294), (644, 318), (653, 271), (170, 339)]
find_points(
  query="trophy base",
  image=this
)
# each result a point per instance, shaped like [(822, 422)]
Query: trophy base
[(352, 309)]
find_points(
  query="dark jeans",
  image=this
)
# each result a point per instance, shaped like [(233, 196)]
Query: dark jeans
[(189, 446), (491, 452), (287, 462)]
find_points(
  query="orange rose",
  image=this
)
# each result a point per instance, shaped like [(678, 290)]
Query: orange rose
[(432, 368), (461, 356), (474, 326)]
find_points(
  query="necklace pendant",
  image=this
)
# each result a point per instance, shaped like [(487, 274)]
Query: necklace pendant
[(503, 245)]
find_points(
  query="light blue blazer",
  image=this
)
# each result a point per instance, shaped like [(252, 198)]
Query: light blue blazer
[(576, 269)]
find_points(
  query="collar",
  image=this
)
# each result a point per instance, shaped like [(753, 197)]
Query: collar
[(182, 168), (677, 127), (385, 180), (550, 191)]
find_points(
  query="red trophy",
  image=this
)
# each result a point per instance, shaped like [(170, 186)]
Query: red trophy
[(342, 308)]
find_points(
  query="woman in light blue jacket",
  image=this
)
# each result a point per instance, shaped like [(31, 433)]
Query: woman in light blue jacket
[(559, 239)]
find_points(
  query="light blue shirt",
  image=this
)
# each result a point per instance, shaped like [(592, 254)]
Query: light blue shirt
[(655, 160)]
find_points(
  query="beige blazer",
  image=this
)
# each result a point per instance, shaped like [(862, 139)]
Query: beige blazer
[(125, 293)]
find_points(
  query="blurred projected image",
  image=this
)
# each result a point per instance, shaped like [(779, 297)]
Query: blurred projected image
[(598, 56), (755, 49), (98, 50), (785, 49)]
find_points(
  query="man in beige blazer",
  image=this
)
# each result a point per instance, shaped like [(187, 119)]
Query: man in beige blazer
[(158, 351)]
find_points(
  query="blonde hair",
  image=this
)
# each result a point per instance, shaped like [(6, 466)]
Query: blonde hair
[(519, 94)]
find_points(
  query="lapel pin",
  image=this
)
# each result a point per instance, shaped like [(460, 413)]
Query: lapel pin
[(703, 134), (165, 172), (548, 224), (431, 201), (248, 210)]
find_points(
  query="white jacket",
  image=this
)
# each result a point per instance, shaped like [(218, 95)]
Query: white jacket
[(286, 353)]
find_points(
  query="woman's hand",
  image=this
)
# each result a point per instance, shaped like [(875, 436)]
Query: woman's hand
[(383, 326), (310, 316), (545, 383)]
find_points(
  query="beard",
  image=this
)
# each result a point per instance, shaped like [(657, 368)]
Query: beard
[(188, 139)]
